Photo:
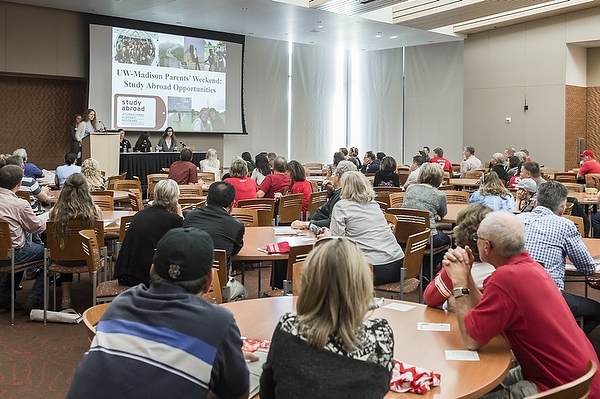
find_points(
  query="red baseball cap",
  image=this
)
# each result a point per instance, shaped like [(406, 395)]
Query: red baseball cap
[(587, 153)]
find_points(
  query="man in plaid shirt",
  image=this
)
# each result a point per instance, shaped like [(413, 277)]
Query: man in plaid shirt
[(550, 238)]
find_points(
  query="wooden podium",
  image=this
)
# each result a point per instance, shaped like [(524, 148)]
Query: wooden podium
[(104, 148)]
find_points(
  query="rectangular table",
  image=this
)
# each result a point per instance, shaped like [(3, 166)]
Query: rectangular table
[(141, 164)]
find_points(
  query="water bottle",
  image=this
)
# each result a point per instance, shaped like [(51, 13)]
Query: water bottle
[(157, 148)]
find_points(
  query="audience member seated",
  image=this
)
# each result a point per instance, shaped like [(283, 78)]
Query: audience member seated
[(353, 157), (30, 169), (226, 231), (424, 195), (415, 169), (526, 191), (588, 164), (165, 340), (245, 187), (494, 194), (277, 182), (249, 162), (66, 170), (497, 165), (550, 238), (322, 216), (299, 184), (90, 168), (513, 163), (211, 164), (370, 163), (24, 228), (469, 161), (386, 176), (74, 203), (358, 217), (426, 151), (262, 168), (168, 141), (30, 184), (330, 337), (143, 143), (337, 157), (184, 171), (445, 163), (440, 292), (521, 302), (146, 229), (531, 170)]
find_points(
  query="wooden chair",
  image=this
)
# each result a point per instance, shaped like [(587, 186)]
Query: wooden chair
[(566, 177), (592, 180), (314, 185), (382, 194), (411, 221), (316, 199), (123, 226), (396, 200), (125, 184), (457, 197), (296, 277), (26, 195), (297, 253), (290, 208), (568, 208), (265, 208), (152, 179), (191, 203), (578, 220), (70, 258), (105, 291), (103, 193), (474, 174), (314, 169), (391, 221), (577, 389), (190, 190), (91, 317), (212, 295), (370, 177), (105, 202), (206, 177), (112, 179), (248, 216), (573, 187), (8, 265), (135, 203), (382, 205), (412, 270), (455, 168)]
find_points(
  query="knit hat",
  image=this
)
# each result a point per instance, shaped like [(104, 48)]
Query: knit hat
[(527, 184), (184, 254)]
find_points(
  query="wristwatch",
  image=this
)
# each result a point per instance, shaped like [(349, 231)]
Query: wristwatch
[(460, 291)]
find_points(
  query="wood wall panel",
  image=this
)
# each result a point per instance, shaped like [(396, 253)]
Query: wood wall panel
[(593, 118), (575, 124), (35, 114)]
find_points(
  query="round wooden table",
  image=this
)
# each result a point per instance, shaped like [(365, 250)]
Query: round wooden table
[(257, 318)]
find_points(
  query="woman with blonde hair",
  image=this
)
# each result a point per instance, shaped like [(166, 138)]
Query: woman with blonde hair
[(146, 229), (329, 339), (211, 163), (245, 187), (494, 194), (74, 203), (357, 216), (90, 168)]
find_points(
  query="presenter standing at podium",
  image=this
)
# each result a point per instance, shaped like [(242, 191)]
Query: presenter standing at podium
[(86, 126)]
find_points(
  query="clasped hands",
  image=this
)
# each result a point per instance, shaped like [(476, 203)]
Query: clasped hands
[(458, 263)]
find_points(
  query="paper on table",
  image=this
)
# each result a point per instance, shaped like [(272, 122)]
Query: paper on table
[(255, 369), (472, 356), (571, 268), (423, 326), (284, 231), (399, 306)]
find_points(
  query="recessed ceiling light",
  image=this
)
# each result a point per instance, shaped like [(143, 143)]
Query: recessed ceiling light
[(377, 35), (393, 37)]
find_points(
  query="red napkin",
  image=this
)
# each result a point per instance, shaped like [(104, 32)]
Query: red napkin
[(407, 378), (282, 247)]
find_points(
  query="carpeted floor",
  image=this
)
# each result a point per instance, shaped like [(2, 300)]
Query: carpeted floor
[(38, 361)]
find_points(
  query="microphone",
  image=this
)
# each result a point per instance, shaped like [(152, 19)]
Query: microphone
[(182, 143), (103, 125)]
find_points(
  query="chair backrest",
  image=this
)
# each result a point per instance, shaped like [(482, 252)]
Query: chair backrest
[(89, 245), (473, 174), (566, 177), (370, 177), (91, 317), (72, 250), (290, 208), (106, 193), (220, 268), (314, 185), (5, 240), (316, 199), (248, 216), (396, 200), (190, 203), (410, 221), (112, 179), (123, 226), (457, 197), (296, 277), (265, 208), (387, 190), (578, 220), (592, 180), (297, 253), (152, 179), (105, 202), (568, 208), (134, 202), (124, 185), (403, 176), (214, 293), (573, 187), (190, 190), (206, 177), (577, 389), (414, 251), (26, 195)]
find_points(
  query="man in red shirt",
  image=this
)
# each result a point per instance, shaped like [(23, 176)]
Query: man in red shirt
[(184, 171), (520, 300), (276, 182), (588, 164), (439, 158)]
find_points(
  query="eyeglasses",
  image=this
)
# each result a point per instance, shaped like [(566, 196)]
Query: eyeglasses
[(475, 237)]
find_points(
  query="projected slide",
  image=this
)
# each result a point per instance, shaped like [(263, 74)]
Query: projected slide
[(161, 80)]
